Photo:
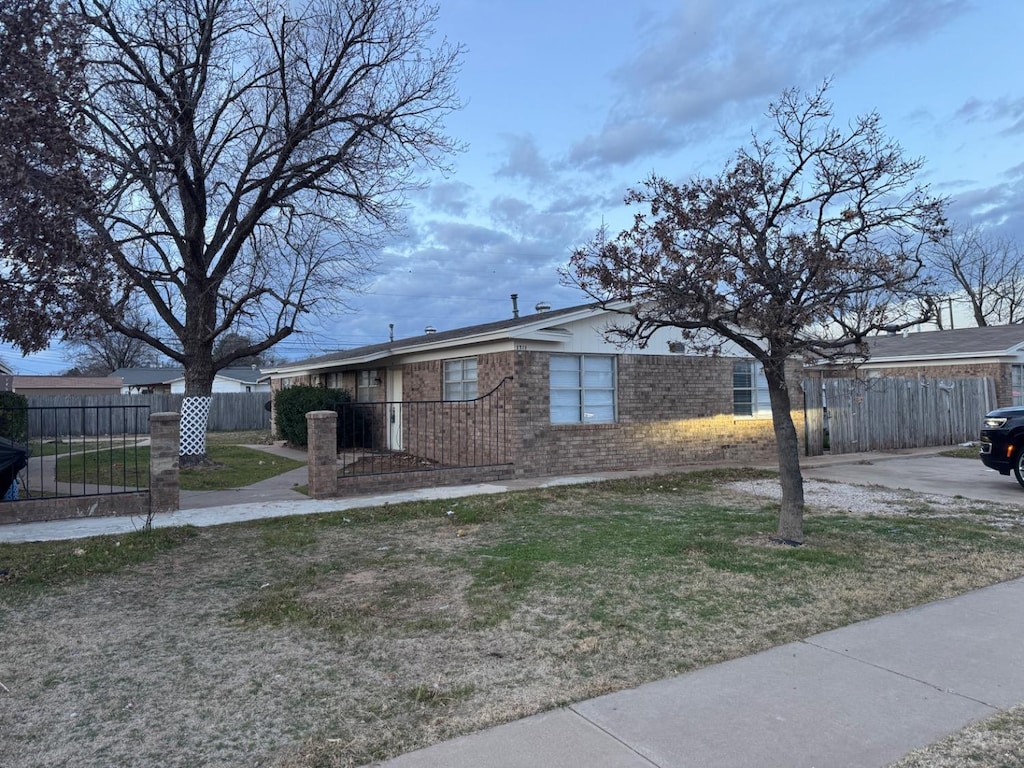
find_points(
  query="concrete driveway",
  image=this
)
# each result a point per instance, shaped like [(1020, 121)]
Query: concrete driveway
[(926, 473)]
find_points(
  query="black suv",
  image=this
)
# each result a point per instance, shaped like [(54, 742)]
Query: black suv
[(1002, 441)]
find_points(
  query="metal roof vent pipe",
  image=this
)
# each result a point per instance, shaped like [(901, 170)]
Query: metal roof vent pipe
[(430, 329), (515, 305), (542, 306)]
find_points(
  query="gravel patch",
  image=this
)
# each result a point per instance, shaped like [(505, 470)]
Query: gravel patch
[(874, 500)]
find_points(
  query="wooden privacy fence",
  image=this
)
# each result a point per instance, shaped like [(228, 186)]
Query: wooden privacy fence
[(229, 412), (814, 417), (887, 413)]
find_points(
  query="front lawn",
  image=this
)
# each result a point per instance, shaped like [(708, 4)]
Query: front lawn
[(339, 639), (233, 466)]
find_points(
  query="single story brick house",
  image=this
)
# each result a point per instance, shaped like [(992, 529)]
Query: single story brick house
[(545, 393), (994, 351)]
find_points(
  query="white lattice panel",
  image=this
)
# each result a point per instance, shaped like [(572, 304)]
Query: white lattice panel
[(195, 412)]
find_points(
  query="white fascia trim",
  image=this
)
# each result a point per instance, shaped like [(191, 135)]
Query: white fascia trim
[(975, 357), (545, 334), (543, 329), (291, 370)]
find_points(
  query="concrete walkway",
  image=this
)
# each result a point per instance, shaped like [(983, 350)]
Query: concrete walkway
[(864, 695)]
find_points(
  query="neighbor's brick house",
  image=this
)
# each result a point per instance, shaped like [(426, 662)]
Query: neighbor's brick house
[(565, 399), (995, 351)]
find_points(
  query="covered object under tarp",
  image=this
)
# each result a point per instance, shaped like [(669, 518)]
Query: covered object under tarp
[(13, 459)]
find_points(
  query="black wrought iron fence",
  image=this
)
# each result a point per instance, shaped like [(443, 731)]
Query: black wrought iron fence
[(425, 435), (80, 450)]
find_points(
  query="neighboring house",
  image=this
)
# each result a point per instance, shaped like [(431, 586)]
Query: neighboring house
[(6, 384), (38, 386), (564, 399), (995, 351), (172, 380), (230, 380), (141, 381)]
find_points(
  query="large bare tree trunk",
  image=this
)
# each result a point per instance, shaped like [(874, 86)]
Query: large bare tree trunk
[(197, 346), (791, 510)]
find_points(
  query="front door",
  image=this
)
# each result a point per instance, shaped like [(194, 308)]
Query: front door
[(394, 408)]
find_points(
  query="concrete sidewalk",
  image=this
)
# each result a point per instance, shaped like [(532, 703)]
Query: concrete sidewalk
[(208, 508), (864, 695)]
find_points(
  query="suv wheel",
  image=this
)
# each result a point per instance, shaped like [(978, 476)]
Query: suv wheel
[(1018, 465)]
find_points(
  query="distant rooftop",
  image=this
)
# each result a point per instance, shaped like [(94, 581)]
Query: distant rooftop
[(66, 382), (992, 339), (144, 377)]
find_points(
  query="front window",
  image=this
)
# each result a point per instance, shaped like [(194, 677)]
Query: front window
[(1017, 383), (750, 390), (582, 389), (366, 386), (460, 379)]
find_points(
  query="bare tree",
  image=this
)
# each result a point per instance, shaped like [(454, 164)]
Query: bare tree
[(806, 243), (98, 352), (231, 341), (981, 271), (105, 354), (252, 154)]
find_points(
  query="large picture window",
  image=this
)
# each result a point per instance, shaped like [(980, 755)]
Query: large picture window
[(750, 390), (460, 379), (1017, 383), (582, 389)]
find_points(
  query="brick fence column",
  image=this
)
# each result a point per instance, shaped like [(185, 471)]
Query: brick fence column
[(164, 487), (322, 427)]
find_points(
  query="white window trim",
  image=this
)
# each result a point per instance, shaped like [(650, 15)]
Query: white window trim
[(468, 387), (581, 389), (366, 386), (758, 390), (1017, 384)]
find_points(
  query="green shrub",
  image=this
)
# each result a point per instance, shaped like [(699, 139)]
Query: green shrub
[(292, 404), (14, 417)]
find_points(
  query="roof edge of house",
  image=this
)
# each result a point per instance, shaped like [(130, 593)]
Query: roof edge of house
[(426, 342)]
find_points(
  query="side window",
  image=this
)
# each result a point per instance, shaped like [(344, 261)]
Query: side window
[(750, 390), (460, 379), (582, 389), (366, 386)]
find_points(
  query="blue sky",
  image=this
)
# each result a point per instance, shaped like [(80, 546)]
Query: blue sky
[(568, 103)]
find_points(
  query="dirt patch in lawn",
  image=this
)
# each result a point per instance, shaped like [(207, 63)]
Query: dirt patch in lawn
[(378, 463), (342, 639)]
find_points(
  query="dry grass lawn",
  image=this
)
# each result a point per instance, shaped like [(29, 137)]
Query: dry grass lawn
[(340, 639), (997, 742)]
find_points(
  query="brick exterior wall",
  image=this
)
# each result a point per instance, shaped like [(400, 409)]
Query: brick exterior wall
[(164, 482), (34, 510), (1000, 372), (322, 451), (671, 410), (457, 433)]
